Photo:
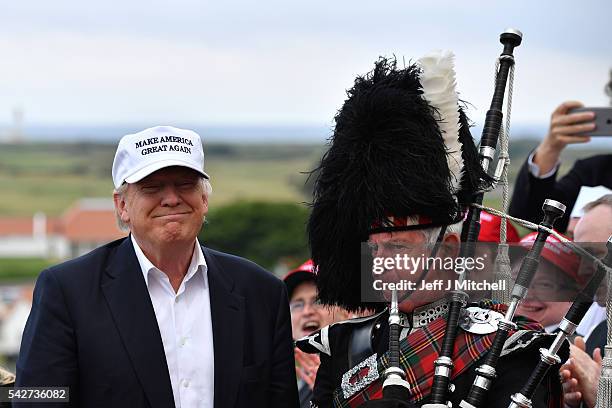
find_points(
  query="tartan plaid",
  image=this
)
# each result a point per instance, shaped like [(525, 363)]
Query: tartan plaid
[(420, 349)]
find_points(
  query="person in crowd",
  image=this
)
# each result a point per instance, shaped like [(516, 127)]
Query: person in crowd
[(14, 322), (581, 374), (555, 284), (156, 319), (307, 313), (307, 316), (537, 178)]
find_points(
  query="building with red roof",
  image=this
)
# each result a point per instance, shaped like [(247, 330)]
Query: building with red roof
[(87, 224)]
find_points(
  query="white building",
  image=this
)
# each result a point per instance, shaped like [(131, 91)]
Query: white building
[(87, 224)]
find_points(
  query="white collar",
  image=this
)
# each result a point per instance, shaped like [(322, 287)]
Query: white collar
[(198, 262), (551, 328)]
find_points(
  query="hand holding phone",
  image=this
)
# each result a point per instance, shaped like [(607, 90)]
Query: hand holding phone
[(603, 121), (567, 126)]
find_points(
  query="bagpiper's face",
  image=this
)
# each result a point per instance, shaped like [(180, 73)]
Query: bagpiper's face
[(415, 244)]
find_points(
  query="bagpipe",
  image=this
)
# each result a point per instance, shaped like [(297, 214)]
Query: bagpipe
[(395, 386)]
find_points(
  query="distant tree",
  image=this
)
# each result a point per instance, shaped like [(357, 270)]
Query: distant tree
[(263, 232), (304, 182)]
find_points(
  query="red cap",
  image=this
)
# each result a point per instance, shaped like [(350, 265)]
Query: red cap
[(557, 253), (304, 272), (490, 226)]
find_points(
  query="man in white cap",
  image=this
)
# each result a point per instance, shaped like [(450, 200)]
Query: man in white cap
[(156, 319)]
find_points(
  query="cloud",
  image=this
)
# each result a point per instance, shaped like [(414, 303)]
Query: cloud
[(278, 62)]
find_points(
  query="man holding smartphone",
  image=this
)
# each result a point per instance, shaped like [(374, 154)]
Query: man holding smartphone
[(537, 179)]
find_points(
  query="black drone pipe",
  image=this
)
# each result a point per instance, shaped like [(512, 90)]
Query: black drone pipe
[(486, 373), (549, 357), (458, 299)]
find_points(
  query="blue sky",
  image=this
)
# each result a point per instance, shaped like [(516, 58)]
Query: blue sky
[(280, 62)]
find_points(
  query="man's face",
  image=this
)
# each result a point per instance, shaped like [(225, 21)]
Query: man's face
[(165, 208), (307, 316), (548, 284), (595, 227), (389, 244), (415, 244)]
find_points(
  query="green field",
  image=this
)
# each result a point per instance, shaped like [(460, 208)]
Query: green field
[(50, 177), (22, 269)]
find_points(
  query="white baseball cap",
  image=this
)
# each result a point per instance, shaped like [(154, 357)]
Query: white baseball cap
[(145, 152)]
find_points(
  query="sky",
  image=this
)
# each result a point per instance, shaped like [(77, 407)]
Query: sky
[(272, 62)]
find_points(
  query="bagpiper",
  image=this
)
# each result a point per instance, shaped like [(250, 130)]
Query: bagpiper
[(400, 170)]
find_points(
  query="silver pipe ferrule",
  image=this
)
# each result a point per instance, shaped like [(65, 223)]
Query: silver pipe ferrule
[(511, 309), (567, 327), (520, 401)]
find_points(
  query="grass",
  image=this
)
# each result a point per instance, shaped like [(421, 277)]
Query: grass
[(275, 180), (22, 269), (26, 194), (49, 178)]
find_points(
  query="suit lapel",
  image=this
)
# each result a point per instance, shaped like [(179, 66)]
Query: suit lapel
[(227, 312), (128, 299)]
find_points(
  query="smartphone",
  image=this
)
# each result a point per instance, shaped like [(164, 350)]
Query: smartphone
[(603, 120)]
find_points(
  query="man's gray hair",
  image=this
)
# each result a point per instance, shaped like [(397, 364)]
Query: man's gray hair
[(432, 233), (206, 186), (603, 200)]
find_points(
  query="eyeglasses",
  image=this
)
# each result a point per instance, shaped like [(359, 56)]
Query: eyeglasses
[(299, 305)]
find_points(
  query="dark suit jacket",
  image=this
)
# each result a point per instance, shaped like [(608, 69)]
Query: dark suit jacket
[(93, 328), (597, 339), (530, 192), (304, 393)]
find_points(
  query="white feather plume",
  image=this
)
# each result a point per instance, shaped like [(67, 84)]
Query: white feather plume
[(438, 84)]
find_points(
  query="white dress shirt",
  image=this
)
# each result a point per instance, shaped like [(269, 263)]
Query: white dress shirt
[(185, 325), (595, 315)]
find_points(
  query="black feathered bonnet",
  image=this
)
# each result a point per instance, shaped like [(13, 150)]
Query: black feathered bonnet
[(387, 160)]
